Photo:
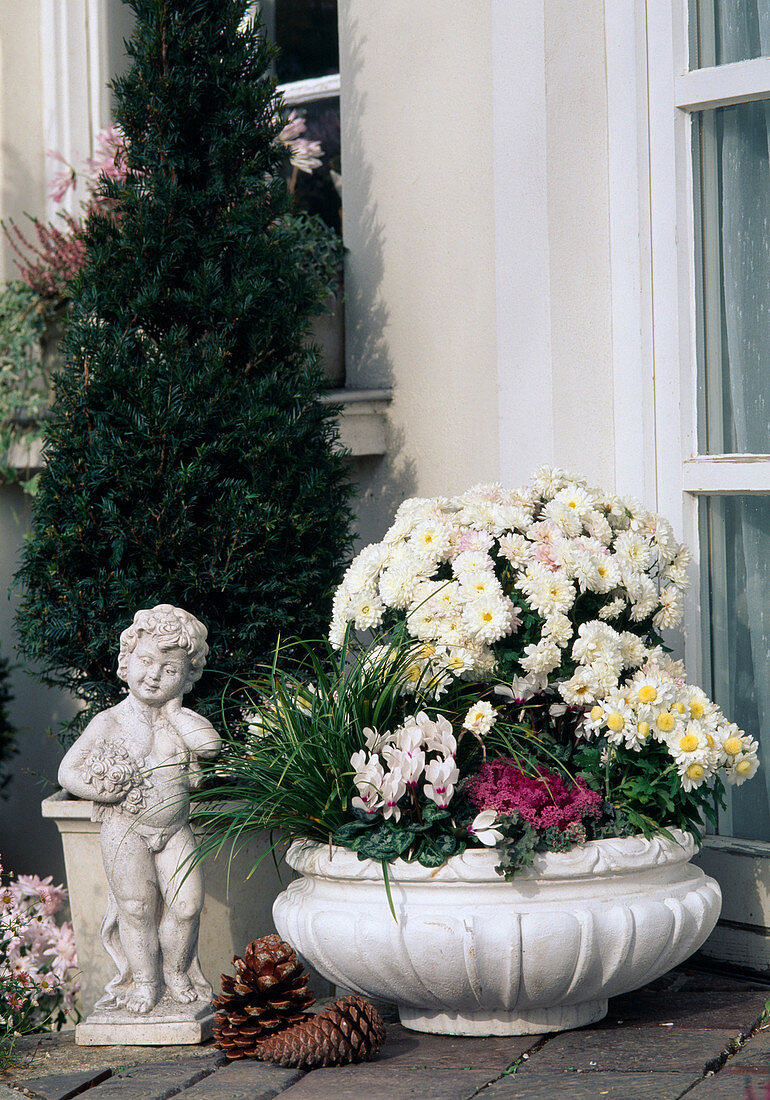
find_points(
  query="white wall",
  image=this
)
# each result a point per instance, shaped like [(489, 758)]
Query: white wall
[(476, 205), (417, 198)]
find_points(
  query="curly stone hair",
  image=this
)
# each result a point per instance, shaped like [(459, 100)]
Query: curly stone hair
[(170, 627)]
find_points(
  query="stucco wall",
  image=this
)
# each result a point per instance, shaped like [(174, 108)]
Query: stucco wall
[(476, 211), (418, 222), (579, 242)]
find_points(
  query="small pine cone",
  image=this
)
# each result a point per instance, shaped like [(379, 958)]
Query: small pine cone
[(269, 992), (349, 1030)]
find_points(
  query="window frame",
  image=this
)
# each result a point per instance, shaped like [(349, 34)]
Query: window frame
[(684, 476)]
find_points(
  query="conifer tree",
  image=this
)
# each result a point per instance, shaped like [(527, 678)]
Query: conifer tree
[(188, 460)]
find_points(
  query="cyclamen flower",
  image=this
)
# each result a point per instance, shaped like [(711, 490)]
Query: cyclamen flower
[(441, 776), (482, 828)]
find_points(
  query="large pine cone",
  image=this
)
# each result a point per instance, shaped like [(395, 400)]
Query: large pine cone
[(349, 1030), (269, 992)]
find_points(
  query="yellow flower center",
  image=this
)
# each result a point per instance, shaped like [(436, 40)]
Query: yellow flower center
[(643, 728), (365, 609), (679, 708), (743, 767), (695, 772), (688, 743), (487, 616), (733, 745), (666, 722), (709, 741), (647, 693), (697, 710), (413, 673), (427, 650), (596, 713), (616, 721)]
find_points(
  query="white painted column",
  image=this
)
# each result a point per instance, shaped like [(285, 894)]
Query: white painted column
[(522, 265)]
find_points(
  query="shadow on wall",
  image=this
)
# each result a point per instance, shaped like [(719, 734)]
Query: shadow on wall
[(28, 844), (382, 481)]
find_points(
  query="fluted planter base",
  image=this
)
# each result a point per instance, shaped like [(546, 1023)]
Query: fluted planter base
[(536, 1022), (471, 954)]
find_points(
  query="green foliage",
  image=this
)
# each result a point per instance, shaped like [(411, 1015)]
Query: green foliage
[(26, 320), (189, 459), (291, 772), (430, 842)]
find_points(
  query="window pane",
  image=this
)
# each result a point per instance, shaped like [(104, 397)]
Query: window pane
[(316, 191), (306, 31), (722, 31), (732, 217), (735, 581)]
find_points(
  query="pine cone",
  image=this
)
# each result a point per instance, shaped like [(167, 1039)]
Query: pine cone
[(269, 992), (349, 1030)]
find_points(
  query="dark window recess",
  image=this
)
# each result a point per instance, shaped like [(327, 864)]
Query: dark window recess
[(306, 31)]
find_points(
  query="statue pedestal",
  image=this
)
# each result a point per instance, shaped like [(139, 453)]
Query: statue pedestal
[(169, 1024)]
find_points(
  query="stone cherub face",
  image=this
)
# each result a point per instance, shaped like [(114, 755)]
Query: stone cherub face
[(157, 675), (162, 654)]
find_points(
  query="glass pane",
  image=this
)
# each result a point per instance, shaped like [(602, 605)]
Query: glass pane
[(735, 602), (306, 31), (317, 192), (722, 31), (732, 217)]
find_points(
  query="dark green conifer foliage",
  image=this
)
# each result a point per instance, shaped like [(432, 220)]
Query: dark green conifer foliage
[(188, 458)]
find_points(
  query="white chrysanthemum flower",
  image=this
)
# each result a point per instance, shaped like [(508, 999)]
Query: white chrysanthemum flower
[(612, 609), (548, 480), (459, 660), (643, 593), (564, 517), (633, 552), (480, 718), (633, 651), (541, 657), (577, 498), (489, 618), (742, 767), (547, 592), (618, 719), (671, 608), (689, 744), (397, 586), (471, 563), (516, 549), (692, 774), (366, 610), (514, 516), (474, 586), (596, 641), (582, 688), (598, 527), (559, 629), (424, 622), (430, 539)]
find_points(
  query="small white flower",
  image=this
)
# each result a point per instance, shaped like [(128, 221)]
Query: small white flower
[(480, 718)]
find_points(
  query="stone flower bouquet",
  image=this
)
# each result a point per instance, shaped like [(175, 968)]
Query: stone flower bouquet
[(517, 692)]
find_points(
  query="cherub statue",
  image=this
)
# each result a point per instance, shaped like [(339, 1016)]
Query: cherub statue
[(138, 761)]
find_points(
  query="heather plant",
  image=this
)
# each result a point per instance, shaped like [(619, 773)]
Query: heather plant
[(189, 459), (37, 960)]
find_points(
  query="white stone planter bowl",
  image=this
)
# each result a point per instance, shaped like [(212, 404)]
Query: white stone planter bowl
[(472, 954)]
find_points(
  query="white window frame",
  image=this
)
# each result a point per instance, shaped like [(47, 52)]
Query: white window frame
[(675, 93)]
